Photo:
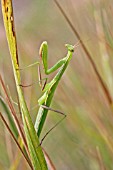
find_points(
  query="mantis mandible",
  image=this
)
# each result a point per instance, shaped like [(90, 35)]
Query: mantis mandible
[(49, 88)]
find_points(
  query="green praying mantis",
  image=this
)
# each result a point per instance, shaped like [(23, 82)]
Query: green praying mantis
[(49, 88)]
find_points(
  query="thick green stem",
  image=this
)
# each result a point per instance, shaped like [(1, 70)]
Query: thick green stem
[(37, 156)]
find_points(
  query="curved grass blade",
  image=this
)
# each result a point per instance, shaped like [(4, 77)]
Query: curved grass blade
[(13, 126), (102, 83), (11, 121), (17, 123), (37, 156), (8, 128)]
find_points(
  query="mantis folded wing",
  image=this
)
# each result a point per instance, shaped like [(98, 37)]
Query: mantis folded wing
[(50, 87)]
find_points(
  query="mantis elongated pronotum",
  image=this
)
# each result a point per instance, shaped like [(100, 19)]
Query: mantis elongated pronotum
[(50, 87)]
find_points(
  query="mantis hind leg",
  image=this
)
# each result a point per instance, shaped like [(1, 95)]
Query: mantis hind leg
[(57, 111)]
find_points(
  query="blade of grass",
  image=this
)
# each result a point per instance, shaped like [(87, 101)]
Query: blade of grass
[(8, 128), (107, 32), (14, 114), (102, 83), (103, 48), (14, 129), (37, 156), (12, 124), (15, 120), (49, 162), (101, 164), (16, 162)]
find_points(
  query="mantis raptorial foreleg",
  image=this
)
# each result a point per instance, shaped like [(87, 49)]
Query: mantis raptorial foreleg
[(43, 52)]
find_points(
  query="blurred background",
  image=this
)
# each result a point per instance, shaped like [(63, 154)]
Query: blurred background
[(84, 140)]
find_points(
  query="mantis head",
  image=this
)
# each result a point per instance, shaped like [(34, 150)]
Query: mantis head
[(70, 47)]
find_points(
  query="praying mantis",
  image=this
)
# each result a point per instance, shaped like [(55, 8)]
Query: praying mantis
[(49, 88)]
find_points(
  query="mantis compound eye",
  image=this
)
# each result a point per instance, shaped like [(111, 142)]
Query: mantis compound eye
[(72, 50), (70, 47)]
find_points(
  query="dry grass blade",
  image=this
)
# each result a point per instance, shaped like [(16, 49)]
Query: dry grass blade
[(7, 126), (101, 164), (9, 116), (103, 85), (49, 162), (14, 114)]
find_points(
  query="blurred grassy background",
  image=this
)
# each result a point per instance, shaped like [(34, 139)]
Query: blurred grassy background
[(84, 140)]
